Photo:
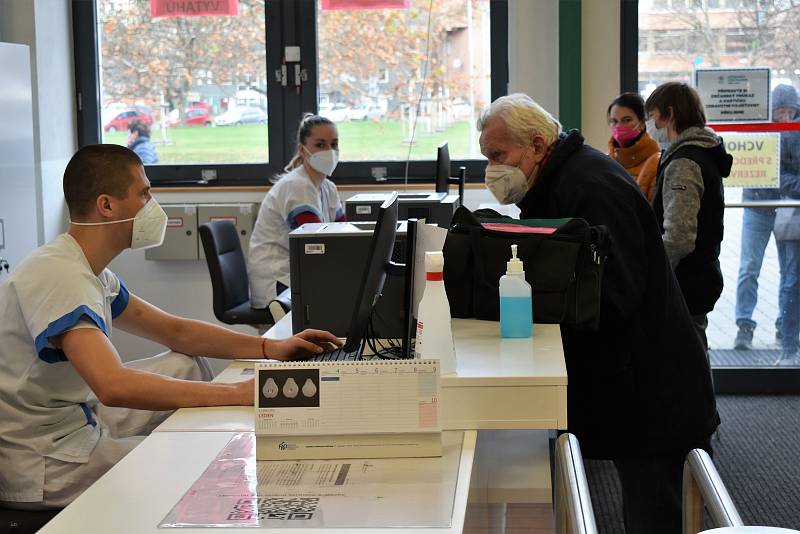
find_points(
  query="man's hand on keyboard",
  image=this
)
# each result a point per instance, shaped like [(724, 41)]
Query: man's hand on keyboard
[(302, 345)]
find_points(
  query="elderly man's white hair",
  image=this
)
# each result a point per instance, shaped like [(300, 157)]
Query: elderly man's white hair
[(524, 117)]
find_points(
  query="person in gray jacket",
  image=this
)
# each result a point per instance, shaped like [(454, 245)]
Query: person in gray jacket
[(787, 225), (689, 200)]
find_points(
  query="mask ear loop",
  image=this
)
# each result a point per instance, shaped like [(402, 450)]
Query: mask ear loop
[(522, 157)]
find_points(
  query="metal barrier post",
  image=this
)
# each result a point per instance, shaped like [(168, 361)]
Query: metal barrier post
[(573, 506), (702, 484)]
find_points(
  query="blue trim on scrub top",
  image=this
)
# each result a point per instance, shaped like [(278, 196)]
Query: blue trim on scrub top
[(51, 355), (120, 302), (297, 211), (88, 413)]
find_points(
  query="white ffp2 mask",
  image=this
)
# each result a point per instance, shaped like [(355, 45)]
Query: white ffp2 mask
[(507, 183), (324, 161), (149, 225)]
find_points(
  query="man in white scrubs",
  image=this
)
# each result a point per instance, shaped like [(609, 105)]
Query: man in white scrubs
[(70, 408)]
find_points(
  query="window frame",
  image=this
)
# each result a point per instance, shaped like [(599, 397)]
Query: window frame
[(288, 23)]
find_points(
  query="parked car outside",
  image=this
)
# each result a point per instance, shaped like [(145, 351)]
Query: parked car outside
[(364, 112), (241, 115), (461, 109), (113, 109), (338, 112), (359, 112), (120, 122), (198, 116)]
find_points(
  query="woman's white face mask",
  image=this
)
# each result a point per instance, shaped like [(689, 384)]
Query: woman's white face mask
[(149, 225), (324, 161)]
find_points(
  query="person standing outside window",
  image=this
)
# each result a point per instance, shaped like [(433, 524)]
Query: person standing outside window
[(689, 200), (757, 225), (139, 142), (630, 144), (787, 231), (304, 194)]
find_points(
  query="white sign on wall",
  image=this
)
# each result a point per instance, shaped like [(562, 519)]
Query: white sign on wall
[(734, 95)]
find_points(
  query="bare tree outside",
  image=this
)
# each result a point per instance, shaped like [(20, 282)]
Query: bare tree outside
[(679, 35)]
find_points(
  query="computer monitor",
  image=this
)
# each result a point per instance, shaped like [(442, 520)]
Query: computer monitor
[(442, 168), (378, 257), (443, 179), (409, 324)]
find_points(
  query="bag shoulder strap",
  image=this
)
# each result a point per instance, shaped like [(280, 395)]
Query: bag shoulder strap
[(597, 236)]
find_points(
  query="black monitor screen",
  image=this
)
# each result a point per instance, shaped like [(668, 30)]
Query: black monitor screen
[(380, 252), (442, 168)]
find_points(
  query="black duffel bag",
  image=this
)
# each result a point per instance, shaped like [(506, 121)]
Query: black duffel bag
[(563, 261)]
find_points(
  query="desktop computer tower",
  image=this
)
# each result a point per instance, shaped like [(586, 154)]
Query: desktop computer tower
[(436, 208), (327, 262)]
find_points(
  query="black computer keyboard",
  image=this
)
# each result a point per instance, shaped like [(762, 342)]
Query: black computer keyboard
[(336, 355)]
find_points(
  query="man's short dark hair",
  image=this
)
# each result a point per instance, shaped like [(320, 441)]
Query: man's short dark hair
[(679, 102), (97, 170), (139, 127)]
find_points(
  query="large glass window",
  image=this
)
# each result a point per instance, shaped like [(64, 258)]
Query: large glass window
[(383, 70), (761, 274), (221, 96), (196, 81)]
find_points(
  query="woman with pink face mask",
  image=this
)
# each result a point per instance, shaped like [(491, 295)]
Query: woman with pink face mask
[(630, 144), (303, 194)]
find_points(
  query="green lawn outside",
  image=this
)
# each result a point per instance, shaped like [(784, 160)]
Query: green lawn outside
[(363, 140)]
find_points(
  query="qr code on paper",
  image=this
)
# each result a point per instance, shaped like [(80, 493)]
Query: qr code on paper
[(275, 508)]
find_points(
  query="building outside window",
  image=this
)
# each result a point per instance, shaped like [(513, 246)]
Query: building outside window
[(675, 38)]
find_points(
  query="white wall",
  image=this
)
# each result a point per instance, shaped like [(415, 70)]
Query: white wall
[(599, 67), (46, 27), (533, 51), (55, 99), (17, 175)]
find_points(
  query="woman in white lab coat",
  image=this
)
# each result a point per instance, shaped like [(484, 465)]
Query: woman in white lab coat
[(303, 194)]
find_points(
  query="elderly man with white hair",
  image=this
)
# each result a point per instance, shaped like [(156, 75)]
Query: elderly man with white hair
[(640, 389)]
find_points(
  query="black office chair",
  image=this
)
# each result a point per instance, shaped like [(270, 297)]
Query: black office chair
[(280, 305), (228, 271), (24, 521)]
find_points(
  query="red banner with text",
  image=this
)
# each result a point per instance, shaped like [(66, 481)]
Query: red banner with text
[(332, 5), (193, 8)]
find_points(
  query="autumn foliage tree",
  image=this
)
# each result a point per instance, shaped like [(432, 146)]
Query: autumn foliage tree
[(145, 57), (359, 47)]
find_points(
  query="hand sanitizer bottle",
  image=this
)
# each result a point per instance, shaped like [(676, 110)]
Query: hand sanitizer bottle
[(516, 311), (434, 334)]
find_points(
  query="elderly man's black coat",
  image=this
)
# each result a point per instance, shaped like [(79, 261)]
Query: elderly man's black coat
[(640, 384)]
